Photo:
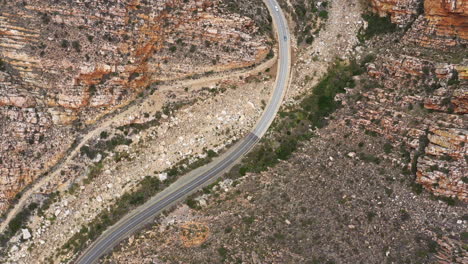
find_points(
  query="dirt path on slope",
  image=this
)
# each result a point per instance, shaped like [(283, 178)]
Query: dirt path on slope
[(121, 117)]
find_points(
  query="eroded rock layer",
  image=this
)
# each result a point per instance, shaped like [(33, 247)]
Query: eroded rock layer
[(444, 24), (434, 23), (422, 105), (65, 64), (432, 91), (401, 12)]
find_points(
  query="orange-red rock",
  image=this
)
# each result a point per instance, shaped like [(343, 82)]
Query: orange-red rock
[(67, 61), (444, 24), (402, 12)]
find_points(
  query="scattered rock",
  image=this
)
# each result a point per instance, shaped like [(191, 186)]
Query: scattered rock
[(26, 234)]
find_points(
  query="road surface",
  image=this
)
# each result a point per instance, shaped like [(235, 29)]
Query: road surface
[(193, 181)]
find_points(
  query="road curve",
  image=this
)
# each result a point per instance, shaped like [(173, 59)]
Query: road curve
[(201, 176)]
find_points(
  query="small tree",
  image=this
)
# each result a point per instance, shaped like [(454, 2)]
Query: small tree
[(76, 45), (65, 44)]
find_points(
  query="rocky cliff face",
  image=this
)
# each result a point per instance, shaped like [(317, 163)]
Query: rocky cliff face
[(64, 64), (421, 105), (444, 24), (401, 12), (428, 89), (435, 23)]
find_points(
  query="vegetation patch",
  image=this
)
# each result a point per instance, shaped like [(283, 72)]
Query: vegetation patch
[(146, 189), (17, 223), (20, 220), (296, 125), (2, 65), (376, 25), (308, 17)]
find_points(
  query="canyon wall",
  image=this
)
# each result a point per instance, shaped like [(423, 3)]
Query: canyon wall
[(430, 86), (437, 24), (65, 64)]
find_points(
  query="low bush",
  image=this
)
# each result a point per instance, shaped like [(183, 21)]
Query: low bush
[(222, 252), (89, 152), (323, 14), (376, 25), (388, 148), (369, 158), (2, 65)]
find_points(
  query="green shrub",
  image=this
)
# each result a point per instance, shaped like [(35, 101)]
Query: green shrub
[(416, 188), (17, 222), (92, 89), (369, 158), (368, 58), (192, 203), (323, 14), (446, 157), (103, 135), (76, 45), (248, 220), (45, 18), (211, 153), (388, 148), (64, 44), (228, 229), (133, 76), (449, 200), (193, 48), (286, 148), (377, 25), (454, 80), (222, 252), (2, 65), (370, 216), (89, 152), (95, 170), (464, 236), (270, 54), (116, 141)]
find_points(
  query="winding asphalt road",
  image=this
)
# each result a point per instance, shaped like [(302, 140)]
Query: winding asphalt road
[(193, 181)]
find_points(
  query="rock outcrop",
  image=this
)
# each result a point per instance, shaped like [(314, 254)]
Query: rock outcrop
[(443, 168), (444, 24), (421, 104), (401, 12), (433, 23), (433, 95)]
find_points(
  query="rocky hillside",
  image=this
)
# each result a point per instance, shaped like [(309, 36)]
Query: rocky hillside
[(366, 163), (329, 203), (383, 181), (440, 24), (65, 64), (424, 92)]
